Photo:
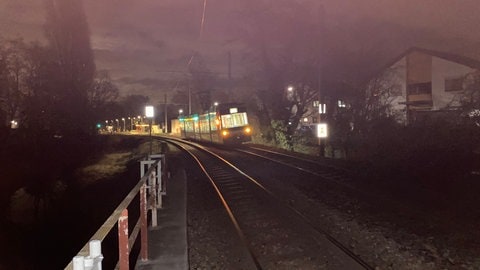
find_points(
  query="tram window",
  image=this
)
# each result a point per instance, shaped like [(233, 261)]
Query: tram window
[(234, 120)]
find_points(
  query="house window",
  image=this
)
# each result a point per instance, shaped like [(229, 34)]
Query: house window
[(314, 119), (341, 103), (453, 84), (322, 108), (316, 103), (419, 88)]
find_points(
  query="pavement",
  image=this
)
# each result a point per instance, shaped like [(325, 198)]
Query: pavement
[(167, 243)]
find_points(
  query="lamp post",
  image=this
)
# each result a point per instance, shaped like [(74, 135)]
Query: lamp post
[(123, 119), (149, 113), (215, 104), (117, 125), (180, 114)]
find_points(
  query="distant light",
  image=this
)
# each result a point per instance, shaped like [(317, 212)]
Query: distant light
[(99, 125), (149, 111), (180, 111), (248, 130), (215, 104), (305, 119), (224, 133), (233, 110), (290, 88), (13, 124)]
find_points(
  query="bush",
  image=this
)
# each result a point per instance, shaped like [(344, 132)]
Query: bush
[(432, 152)]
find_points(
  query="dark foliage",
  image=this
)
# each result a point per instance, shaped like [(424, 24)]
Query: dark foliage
[(434, 153)]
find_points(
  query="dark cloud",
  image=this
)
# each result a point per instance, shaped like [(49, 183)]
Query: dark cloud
[(147, 43)]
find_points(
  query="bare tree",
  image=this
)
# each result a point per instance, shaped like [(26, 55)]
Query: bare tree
[(13, 72), (102, 91), (202, 81), (282, 44), (67, 31)]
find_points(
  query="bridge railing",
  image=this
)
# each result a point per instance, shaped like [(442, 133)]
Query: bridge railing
[(151, 187)]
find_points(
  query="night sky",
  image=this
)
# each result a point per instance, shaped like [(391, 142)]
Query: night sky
[(146, 44)]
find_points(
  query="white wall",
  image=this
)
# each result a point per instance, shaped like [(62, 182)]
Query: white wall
[(442, 69)]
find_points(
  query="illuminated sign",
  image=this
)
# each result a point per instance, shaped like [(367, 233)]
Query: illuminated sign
[(149, 111), (322, 130), (233, 110)]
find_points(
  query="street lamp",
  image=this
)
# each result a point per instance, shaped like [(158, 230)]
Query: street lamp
[(117, 125), (149, 113), (215, 104), (123, 119)]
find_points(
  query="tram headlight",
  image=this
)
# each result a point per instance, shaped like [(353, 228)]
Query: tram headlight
[(248, 130), (224, 133)]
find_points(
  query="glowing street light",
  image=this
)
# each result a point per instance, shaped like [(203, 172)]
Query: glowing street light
[(149, 113)]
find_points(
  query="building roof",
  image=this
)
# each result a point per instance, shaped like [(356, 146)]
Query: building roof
[(459, 59), (469, 62)]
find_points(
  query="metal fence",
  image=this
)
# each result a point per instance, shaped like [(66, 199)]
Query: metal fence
[(151, 187)]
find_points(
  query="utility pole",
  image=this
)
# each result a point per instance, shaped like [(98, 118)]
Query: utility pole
[(321, 15), (189, 101), (166, 116), (229, 71)]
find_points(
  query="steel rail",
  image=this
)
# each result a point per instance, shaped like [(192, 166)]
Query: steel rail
[(327, 235), (365, 193), (239, 231), (299, 168), (296, 157)]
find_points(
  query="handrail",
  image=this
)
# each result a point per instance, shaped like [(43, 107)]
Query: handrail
[(120, 213)]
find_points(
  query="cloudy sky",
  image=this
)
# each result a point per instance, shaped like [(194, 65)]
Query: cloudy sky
[(146, 44)]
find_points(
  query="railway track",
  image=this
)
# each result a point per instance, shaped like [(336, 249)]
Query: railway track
[(338, 176), (274, 234)]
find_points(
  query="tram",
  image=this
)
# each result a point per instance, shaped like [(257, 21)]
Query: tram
[(227, 124)]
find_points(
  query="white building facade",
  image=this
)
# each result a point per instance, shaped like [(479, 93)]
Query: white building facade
[(428, 81)]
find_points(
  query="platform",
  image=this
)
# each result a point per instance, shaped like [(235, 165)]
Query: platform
[(167, 243)]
